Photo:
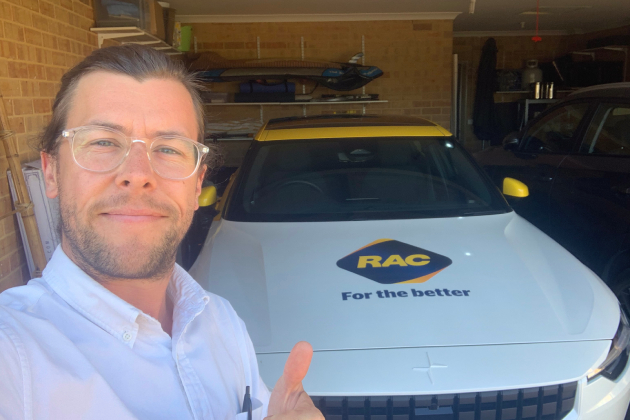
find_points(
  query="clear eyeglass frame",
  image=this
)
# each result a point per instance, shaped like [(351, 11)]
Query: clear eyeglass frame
[(70, 134)]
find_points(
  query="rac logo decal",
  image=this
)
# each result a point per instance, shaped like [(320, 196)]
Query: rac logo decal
[(387, 261)]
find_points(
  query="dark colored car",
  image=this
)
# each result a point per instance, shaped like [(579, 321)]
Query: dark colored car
[(575, 159)]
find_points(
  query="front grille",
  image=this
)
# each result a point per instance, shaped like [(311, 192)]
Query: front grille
[(544, 403)]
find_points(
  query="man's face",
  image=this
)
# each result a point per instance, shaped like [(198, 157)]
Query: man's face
[(125, 223)]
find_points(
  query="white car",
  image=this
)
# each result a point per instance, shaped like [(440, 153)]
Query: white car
[(381, 242)]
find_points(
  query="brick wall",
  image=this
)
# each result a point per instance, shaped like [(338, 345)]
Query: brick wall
[(39, 41), (416, 57)]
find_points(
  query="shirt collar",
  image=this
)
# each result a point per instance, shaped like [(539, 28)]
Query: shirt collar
[(112, 313), (189, 300)]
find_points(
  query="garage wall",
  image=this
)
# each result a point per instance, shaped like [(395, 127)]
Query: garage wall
[(416, 57), (39, 41), (512, 54)]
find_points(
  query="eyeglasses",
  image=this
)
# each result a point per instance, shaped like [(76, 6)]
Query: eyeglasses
[(101, 149)]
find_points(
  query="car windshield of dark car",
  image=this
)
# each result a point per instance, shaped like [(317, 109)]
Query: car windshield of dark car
[(360, 179)]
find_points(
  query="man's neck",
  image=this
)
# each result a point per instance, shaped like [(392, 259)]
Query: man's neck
[(149, 295)]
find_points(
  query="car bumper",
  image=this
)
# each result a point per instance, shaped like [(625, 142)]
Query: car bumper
[(362, 374), (602, 399)]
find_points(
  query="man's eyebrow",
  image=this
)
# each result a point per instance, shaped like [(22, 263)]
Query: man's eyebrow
[(170, 133), (107, 124), (122, 129)]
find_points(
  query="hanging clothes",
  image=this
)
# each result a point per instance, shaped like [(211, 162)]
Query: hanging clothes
[(485, 124)]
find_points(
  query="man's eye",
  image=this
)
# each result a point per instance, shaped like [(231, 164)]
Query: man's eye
[(104, 143), (168, 151)]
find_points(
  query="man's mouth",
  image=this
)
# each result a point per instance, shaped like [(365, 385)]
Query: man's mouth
[(131, 215)]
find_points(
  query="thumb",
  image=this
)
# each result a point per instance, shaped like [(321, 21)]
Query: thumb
[(296, 367), (287, 391)]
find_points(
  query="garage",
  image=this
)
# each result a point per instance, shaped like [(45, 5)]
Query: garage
[(434, 195)]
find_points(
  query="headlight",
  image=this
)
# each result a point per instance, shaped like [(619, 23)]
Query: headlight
[(618, 355)]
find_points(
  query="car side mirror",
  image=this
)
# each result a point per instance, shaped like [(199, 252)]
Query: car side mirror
[(515, 188), (208, 196), (511, 141)]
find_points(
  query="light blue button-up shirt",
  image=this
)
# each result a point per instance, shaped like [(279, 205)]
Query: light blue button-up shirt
[(71, 349)]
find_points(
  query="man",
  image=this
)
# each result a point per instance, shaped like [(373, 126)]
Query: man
[(114, 329)]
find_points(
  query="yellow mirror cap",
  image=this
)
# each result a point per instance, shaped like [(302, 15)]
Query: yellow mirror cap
[(515, 188), (208, 196)]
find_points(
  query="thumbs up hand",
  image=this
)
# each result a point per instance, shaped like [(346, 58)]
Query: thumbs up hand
[(288, 400)]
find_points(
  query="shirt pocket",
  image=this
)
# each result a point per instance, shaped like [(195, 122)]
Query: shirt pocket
[(257, 411)]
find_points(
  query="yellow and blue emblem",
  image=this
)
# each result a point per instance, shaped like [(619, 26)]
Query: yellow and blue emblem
[(388, 261)]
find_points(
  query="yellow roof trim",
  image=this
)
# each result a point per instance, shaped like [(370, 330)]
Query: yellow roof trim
[(259, 135), (351, 132)]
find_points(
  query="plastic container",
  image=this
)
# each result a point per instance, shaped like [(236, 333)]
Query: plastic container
[(531, 74), (177, 34), (117, 13), (186, 37)]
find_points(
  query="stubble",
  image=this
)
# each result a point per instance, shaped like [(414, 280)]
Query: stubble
[(135, 259)]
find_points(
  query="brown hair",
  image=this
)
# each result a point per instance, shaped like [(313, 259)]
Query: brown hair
[(141, 63)]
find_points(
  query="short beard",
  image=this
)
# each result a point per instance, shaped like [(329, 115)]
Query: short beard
[(103, 262)]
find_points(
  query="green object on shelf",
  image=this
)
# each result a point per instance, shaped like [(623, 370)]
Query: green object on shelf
[(186, 38)]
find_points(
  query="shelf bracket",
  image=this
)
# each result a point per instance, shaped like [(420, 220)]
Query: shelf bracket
[(303, 87), (134, 36), (363, 62), (258, 47)]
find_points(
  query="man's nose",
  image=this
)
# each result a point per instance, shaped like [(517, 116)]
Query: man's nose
[(136, 170)]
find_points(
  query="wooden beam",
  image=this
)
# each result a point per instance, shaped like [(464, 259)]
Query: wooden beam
[(23, 203)]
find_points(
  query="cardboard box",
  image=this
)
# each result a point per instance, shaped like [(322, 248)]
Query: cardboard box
[(156, 17), (169, 24), (46, 211), (120, 14)]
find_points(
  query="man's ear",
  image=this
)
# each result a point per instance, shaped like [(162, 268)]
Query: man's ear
[(49, 167), (200, 178)]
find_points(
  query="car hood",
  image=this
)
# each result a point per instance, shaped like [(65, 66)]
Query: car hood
[(301, 281), (442, 370)]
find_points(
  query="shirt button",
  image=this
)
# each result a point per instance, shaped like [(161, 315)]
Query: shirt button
[(126, 336)]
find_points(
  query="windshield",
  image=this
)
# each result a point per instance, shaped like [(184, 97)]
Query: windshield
[(360, 179)]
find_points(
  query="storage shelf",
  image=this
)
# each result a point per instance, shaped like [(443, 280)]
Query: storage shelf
[(504, 92), (591, 52), (289, 103), (133, 35), (618, 48)]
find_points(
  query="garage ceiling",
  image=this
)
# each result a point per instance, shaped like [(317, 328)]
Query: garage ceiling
[(569, 16)]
